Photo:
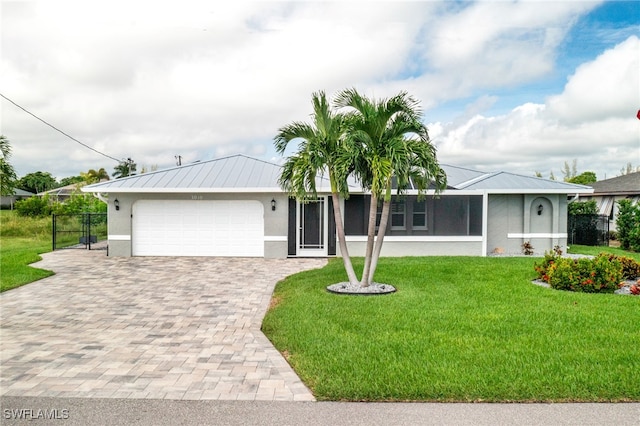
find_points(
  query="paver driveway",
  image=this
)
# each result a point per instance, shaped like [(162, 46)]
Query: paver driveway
[(174, 328)]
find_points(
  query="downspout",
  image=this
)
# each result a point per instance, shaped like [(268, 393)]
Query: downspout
[(101, 197)]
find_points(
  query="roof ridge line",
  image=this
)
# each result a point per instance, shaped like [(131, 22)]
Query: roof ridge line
[(476, 179)]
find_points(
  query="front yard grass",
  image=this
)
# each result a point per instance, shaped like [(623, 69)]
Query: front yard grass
[(21, 242), (458, 329)]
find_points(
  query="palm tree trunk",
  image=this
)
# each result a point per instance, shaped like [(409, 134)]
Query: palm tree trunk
[(379, 239), (344, 251), (371, 231)]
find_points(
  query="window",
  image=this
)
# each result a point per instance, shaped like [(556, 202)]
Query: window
[(398, 215), (419, 214)]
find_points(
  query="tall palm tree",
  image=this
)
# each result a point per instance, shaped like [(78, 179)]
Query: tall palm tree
[(321, 150), (392, 142), (8, 177)]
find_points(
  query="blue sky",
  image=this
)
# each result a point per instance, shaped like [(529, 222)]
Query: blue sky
[(516, 86)]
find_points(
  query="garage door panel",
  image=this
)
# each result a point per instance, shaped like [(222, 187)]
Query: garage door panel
[(198, 228)]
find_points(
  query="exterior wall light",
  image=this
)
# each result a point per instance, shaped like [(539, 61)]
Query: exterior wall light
[(116, 203), (540, 208), (273, 204)]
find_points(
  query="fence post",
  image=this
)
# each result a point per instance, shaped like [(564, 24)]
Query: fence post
[(53, 232)]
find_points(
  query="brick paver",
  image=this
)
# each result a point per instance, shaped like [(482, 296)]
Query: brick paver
[(142, 327)]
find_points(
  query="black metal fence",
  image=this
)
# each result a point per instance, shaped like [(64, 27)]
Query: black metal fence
[(79, 231), (588, 230)]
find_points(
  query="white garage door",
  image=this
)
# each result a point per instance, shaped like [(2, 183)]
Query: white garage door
[(198, 228)]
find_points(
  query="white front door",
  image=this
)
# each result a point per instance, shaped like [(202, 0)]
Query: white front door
[(312, 227)]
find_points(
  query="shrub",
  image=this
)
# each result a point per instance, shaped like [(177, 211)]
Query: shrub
[(598, 275), (628, 224), (583, 207), (630, 268), (613, 235), (543, 268), (34, 207)]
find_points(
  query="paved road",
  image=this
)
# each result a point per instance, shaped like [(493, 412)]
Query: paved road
[(96, 411)]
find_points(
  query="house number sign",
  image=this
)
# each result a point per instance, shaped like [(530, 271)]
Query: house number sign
[(197, 197)]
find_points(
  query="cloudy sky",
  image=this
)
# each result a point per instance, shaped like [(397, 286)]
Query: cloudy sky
[(515, 86)]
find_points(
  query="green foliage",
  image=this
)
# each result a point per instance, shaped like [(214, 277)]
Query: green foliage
[(34, 206), (71, 180), (8, 177), (630, 267), (37, 182), (43, 206), (80, 203), (584, 178), (601, 274), (124, 169), (595, 250), (628, 224), (583, 207)]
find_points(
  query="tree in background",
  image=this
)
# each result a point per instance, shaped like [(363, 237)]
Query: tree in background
[(37, 182), (8, 178), (124, 169), (584, 178), (71, 180), (629, 169), (95, 176)]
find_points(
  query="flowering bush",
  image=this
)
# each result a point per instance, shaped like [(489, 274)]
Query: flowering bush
[(598, 275), (543, 268), (630, 268)]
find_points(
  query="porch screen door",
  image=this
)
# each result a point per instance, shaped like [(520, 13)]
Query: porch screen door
[(312, 228)]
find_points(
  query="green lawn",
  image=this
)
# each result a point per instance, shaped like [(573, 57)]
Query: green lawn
[(458, 329), (599, 249), (21, 242)]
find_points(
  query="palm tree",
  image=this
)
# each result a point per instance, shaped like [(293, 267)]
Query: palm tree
[(321, 150), (392, 142), (94, 176), (8, 177), (124, 168)]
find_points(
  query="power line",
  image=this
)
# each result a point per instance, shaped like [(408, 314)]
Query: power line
[(55, 128)]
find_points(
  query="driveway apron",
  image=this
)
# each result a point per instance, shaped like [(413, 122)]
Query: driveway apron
[(141, 327)]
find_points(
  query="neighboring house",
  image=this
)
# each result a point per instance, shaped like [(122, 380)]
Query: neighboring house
[(233, 206), (8, 201), (62, 193), (607, 192)]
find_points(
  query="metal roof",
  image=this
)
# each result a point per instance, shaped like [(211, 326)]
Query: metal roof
[(239, 173)]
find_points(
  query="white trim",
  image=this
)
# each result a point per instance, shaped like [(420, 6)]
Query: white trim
[(116, 190), (538, 235), (275, 238), (418, 238), (326, 190), (112, 237), (485, 222)]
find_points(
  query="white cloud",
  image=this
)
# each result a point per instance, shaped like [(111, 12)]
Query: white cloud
[(592, 120)]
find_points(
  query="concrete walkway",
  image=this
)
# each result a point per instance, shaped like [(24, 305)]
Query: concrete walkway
[(150, 328)]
